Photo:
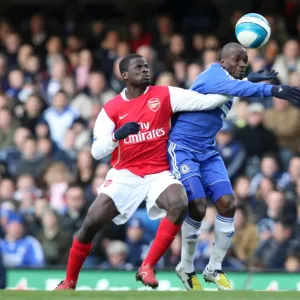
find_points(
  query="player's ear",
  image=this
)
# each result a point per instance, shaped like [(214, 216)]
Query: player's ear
[(222, 62), (124, 75)]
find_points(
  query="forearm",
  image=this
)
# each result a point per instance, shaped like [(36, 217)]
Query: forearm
[(187, 100), (103, 146), (103, 141)]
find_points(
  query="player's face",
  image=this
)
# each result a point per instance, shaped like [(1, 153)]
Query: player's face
[(236, 63), (138, 72)]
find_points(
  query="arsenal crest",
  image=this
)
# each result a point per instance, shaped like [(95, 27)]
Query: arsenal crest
[(107, 182), (154, 104)]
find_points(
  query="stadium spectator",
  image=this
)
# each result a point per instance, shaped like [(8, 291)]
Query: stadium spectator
[(272, 50), (33, 109), (117, 255), (150, 55), (91, 191), (37, 34), (165, 29), (166, 78), (193, 70), (135, 239), (289, 61), (241, 191), (75, 210), (257, 140), (245, 239), (179, 68), (97, 91), (85, 168), (31, 162), (3, 73), (54, 51), (292, 262), (7, 189), (50, 152), (85, 62), (283, 120), (54, 239), (24, 52), (138, 37), (271, 253), (8, 127), (16, 83), (54, 83), (177, 50), (232, 152), (60, 117), (290, 187), (270, 168), (115, 79), (12, 44), (57, 178), (20, 250)]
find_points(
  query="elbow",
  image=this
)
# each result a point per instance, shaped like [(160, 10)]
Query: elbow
[(95, 152)]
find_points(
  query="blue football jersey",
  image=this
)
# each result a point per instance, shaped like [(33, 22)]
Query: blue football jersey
[(197, 130)]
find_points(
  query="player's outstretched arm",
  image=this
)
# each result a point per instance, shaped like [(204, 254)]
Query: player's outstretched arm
[(103, 142), (187, 100), (218, 81)]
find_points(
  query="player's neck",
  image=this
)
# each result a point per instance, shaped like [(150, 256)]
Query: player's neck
[(132, 92)]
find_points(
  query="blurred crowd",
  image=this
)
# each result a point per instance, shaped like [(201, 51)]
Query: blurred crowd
[(52, 87)]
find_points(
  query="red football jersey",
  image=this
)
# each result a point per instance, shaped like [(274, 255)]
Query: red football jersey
[(146, 152)]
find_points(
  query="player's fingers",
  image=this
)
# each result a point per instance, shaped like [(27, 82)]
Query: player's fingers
[(261, 71), (296, 91), (273, 72)]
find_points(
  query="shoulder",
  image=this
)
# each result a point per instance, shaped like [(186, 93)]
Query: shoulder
[(72, 110), (111, 104), (111, 107), (49, 111), (159, 89), (30, 240), (113, 101)]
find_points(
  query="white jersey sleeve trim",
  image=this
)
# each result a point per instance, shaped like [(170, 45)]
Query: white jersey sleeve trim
[(103, 143), (188, 100)]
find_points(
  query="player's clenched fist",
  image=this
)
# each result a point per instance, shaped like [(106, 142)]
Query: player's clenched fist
[(124, 131)]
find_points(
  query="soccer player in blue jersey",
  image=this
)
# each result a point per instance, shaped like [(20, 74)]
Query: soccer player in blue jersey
[(196, 162)]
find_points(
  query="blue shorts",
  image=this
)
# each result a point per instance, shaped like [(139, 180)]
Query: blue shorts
[(209, 168)]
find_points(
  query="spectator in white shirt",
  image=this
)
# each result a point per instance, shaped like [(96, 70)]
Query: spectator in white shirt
[(60, 117)]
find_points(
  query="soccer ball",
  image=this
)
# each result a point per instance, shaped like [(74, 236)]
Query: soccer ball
[(252, 30)]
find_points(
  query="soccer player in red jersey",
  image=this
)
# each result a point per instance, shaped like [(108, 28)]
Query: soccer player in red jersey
[(134, 127)]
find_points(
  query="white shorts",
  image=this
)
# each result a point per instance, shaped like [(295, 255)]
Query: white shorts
[(128, 191)]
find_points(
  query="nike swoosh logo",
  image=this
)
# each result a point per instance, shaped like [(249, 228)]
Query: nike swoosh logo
[(122, 117), (143, 274)]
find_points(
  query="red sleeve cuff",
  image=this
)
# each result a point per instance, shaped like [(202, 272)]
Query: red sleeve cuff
[(113, 138)]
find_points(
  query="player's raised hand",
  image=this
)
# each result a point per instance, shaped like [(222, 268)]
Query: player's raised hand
[(124, 131), (287, 92), (262, 75)]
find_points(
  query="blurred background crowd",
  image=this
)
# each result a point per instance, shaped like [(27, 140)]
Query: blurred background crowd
[(56, 73)]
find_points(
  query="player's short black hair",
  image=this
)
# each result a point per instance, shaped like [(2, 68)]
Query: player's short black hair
[(123, 65), (228, 48)]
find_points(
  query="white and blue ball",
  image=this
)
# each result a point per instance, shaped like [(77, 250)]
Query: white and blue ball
[(252, 30)]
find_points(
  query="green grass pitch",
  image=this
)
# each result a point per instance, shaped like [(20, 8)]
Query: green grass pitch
[(146, 295)]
